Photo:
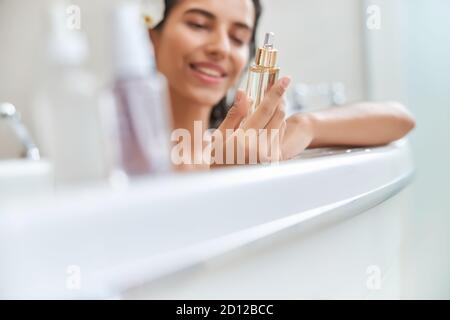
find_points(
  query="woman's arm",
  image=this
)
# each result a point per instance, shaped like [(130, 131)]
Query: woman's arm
[(359, 124)]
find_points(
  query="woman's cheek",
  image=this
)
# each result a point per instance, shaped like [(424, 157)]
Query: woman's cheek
[(240, 61), (180, 46), (189, 39), (180, 40)]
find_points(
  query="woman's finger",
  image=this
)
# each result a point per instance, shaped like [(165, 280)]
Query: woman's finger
[(270, 138), (236, 113), (283, 132), (276, 121), (282, 135), (283, 104), (265, 111)]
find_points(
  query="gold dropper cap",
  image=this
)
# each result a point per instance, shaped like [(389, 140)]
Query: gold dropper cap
[(266, 56)]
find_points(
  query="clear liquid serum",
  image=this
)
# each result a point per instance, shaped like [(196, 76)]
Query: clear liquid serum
[(263, 73)]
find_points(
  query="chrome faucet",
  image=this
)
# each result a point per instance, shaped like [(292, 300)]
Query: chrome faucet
[(9, 113)]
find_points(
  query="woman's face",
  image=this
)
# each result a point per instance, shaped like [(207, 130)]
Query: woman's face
[(203, 47)]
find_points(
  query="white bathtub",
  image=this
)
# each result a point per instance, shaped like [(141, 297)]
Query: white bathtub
[(327, 225)]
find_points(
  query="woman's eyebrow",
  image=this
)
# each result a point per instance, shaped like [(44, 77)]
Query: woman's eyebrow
[(202, 12), (211, 16)]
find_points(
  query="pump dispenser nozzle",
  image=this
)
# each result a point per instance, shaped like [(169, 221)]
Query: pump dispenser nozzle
[(266, 56), (268, 40)]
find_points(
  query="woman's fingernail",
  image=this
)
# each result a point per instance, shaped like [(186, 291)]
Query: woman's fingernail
[(285, 82)]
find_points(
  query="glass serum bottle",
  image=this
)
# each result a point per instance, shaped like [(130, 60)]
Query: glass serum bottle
[(263, 73)]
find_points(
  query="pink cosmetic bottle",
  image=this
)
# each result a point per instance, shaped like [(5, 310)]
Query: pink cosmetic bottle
[(141, 98)]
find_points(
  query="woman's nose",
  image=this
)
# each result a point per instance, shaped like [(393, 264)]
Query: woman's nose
[(219, 46)]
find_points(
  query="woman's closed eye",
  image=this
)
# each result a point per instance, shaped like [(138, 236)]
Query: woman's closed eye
[(198, 25), (238, 41), (240, 37)]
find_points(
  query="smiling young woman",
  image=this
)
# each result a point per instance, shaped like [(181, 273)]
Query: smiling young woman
[(203, 48)]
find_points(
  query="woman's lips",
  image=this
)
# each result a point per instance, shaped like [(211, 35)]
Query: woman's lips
[(208, 73)]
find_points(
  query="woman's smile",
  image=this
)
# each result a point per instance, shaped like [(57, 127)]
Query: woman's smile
[(208, 73)]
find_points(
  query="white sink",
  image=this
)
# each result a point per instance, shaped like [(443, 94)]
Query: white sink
[(23, 177)]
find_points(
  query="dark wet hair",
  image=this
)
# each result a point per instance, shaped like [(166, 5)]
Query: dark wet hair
[(220, 110)]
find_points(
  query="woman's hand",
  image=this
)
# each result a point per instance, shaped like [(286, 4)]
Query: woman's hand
[(256, 138), (298, 136), (358, 124)]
